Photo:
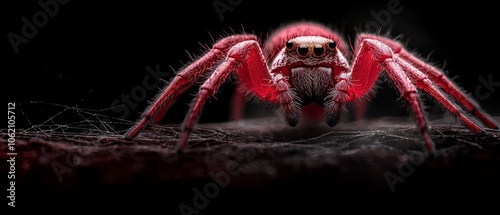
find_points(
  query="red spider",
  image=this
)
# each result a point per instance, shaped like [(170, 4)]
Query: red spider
[(306, 65)]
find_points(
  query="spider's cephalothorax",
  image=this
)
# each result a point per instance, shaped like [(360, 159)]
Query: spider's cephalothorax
[(311, 64), (306, 64)]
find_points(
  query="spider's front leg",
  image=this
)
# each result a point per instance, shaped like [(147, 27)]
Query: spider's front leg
[(437, 77), (373, 56), (184, 80), (247, 60)]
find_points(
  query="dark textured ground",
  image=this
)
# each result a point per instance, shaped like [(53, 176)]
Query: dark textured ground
[(261, 166)]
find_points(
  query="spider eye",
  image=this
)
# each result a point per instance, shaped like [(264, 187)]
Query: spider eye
[(319, 50), (332, 44), (289, 44), (303, 50)]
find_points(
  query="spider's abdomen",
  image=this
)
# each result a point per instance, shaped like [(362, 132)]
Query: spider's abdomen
[(312, 84)]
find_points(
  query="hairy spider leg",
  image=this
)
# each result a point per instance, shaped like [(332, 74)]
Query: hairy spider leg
[(373, 57), (247, 60), (238, 102), (423, 83), (437, 77), (373, 54), (185, 79)]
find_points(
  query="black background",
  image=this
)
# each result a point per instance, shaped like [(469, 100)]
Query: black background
[(90, 53)]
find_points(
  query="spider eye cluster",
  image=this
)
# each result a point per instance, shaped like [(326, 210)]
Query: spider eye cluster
[(332, 44), (289, 44), (317, 50), (303, 50)]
